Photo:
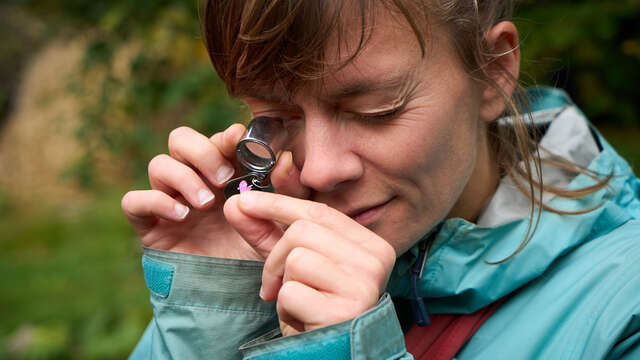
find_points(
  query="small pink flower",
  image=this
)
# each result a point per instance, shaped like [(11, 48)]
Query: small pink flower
[(243, 186)]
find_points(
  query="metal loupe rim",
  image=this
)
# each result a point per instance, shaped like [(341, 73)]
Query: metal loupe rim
[(249, 166)]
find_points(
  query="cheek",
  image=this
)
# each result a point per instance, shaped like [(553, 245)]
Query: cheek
[(419, 143), (431, 154), (433, 160)]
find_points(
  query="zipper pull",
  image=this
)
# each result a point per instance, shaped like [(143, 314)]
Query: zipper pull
[(417, 304)]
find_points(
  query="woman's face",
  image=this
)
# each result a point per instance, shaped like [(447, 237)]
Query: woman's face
[(393, 138)]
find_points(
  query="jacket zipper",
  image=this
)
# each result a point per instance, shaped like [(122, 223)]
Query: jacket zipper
[(417, 304)]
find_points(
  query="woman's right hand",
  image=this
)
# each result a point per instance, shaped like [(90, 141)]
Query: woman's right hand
[(183, 211)]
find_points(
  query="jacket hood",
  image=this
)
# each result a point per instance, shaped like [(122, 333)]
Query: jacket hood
[(457, 276)]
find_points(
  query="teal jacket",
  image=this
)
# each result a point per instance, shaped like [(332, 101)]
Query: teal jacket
[(573, 292)]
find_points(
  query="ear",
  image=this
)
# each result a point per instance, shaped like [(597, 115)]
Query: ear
[(502, 68)]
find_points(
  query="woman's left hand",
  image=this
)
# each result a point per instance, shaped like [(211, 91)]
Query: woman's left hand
[(325, 268)]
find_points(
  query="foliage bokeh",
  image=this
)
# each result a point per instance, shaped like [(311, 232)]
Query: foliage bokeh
[(589, 48), (77, 289)]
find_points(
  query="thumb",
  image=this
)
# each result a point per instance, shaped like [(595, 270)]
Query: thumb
[(260, 234)]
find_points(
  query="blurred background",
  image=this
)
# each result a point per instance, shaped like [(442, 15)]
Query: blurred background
[(89, 91)]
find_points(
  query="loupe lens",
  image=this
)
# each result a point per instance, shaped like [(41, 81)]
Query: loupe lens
[(265, 138), (255, 156)]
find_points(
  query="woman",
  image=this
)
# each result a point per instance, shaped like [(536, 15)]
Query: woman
[(411, 177)]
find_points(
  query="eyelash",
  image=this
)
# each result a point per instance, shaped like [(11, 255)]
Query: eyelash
[(382, 117), (373, 118)]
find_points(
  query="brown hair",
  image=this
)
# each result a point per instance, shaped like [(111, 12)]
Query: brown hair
[(262, 44)]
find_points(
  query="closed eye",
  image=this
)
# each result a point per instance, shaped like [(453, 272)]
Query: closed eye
[(380, 116)]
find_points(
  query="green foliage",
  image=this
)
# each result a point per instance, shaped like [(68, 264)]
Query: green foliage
[(39, 342), (14, 49), (625, 141), (166, 81), (75, 287), (5, 202), (591, 49), (118, 17)]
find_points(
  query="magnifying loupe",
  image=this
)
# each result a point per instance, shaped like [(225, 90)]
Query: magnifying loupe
[(256, 153)]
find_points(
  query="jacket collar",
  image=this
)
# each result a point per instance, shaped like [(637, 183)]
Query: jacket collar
[(457, 276)]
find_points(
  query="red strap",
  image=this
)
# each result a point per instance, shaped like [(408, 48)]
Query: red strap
[(446, 335)]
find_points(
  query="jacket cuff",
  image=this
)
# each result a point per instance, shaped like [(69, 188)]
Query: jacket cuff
[(376, 334), (204, 307), (202, 281)]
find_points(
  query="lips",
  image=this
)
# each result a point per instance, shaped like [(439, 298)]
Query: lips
[(367, 215)]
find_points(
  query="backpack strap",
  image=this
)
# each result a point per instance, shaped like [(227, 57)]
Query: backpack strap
[(446, 334)]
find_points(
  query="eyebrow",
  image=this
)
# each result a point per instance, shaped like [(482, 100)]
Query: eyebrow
[(349, 90), (367, 86), (265, 95)]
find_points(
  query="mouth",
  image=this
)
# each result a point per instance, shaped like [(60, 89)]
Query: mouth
[(367, 215)]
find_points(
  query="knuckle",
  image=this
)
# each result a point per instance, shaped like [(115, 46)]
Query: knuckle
[(389, 255), (287, 293), (202, 153), (233, 134), (126, 201), (155, 197), (156, 164), (368, 281), (216, 138), (269, 267), (178, 133), (177, 138), (295, 260), (183, 179), (226, 136), (319, 211), (386, 254), (378, 269), (368, 297), (237, 127), (299, 227)]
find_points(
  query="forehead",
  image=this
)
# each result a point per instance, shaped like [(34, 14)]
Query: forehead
[(389, 55), (389, 45)]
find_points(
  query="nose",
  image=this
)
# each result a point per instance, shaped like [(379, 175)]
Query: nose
[(329, 156)]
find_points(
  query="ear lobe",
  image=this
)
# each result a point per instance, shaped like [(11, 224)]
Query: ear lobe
[(502, 69)]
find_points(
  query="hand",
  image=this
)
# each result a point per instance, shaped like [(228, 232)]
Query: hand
[(325, 268), (183, 211)]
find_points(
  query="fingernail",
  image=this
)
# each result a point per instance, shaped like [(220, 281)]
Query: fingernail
[(205, 196), (224, 173), (261, 293), (181, 211)]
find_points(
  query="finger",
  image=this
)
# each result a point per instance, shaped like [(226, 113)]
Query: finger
[(227, 140), (230, 139), (143, 208), (260, 234), (309, 235), (315, 270), (196, 150), (286, 210), (302, 308), (285, 177), (168, 175)]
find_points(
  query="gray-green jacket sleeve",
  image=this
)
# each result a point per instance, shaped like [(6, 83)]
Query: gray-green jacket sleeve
[(209, 308)]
